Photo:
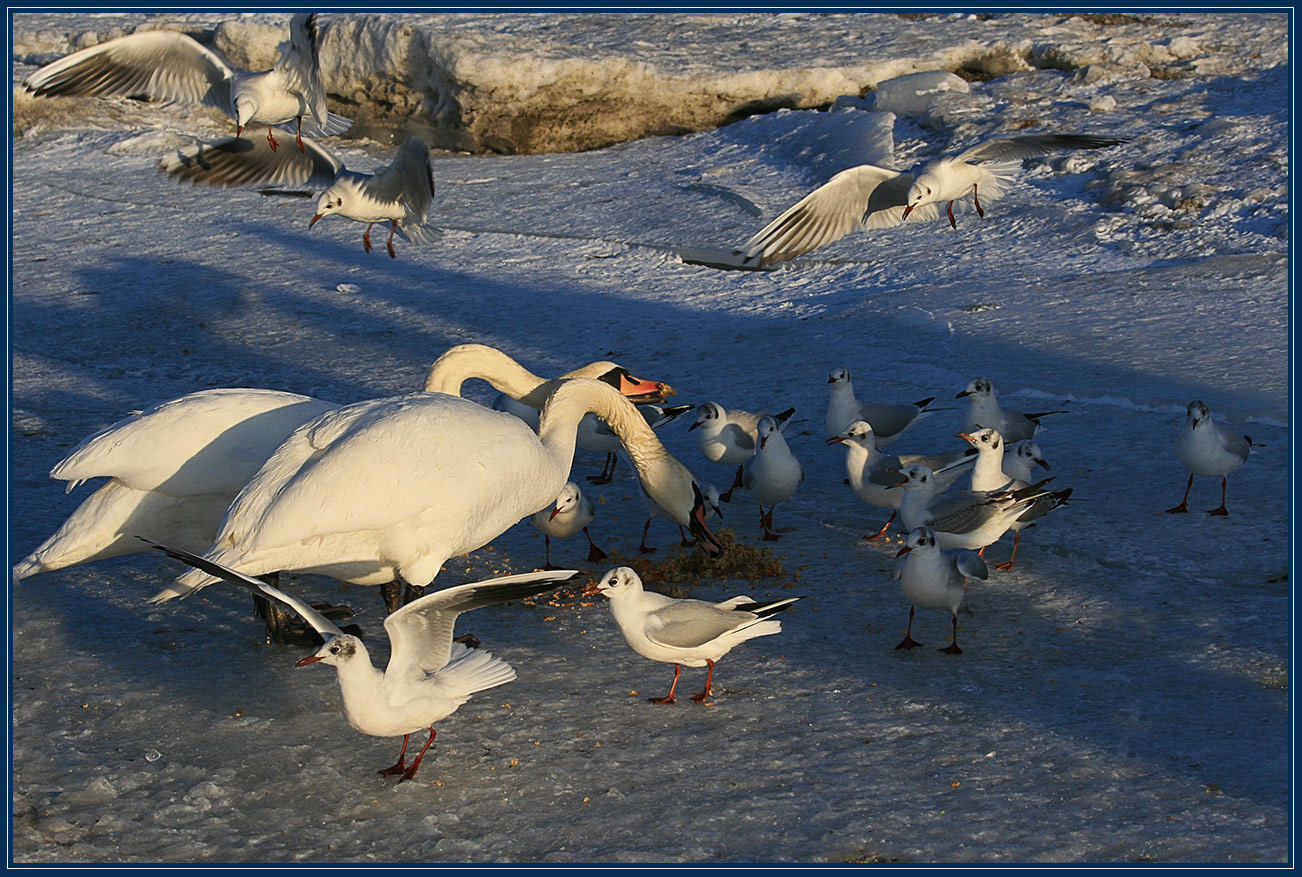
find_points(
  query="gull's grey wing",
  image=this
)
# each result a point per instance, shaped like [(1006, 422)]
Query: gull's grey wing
[(738, 436), (686, 624), (1233, 442), (319, 622), (971, 565), (250, 161), (420, 633), (888, 420), (1031, 145), (159, 64), (300, 59), (851, 199), (408, 179)]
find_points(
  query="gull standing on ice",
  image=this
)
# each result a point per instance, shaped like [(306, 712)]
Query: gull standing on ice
[(983, 410), (693, 633), (728, 436), (888, 421), (1210, 449), (991, 473), (400, 194), (932, 578), (773, 474), (428, 675), (871, 473), (571, 512), (968, 518), (169, 66), (870, 197)]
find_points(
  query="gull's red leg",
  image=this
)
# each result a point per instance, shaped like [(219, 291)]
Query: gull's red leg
[(594, 553), (411, 771), (882, 532), (366, 237), (298, 136), (1221, 509), (402, 759), (709, 677), (1184, 503), (1017, 537), (949, 211), (394, 228), (981, 213), (908, 642), (669, 698), (271, 138), (952, 648)]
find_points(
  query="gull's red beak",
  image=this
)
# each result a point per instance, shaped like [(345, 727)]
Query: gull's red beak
[(834, 440), (590, 590), (314, 220), (963, 436), (554, 513), (961, 395), (310, 659), (907, 210), (903, 551)]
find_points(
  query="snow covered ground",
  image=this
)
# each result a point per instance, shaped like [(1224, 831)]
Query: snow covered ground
[(1123, 695)]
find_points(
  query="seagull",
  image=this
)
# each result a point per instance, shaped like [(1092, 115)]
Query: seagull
[(969, 518), (983, 410), (888, 421), (773, 474), (871, 197), (710, 502), (1025, 455), (932, 578), (728, 436), (991, 473), (693, 633), (571, 512), (169, 66), (428, 675), (869, 471), (596, 436), (400, 194), (1210, 449)]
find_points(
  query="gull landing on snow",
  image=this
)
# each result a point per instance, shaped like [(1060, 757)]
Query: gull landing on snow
[(169, 66), (400, 194), (869, 197), (428, 675)]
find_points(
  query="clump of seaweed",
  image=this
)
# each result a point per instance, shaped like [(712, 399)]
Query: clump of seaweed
[(738, 561)]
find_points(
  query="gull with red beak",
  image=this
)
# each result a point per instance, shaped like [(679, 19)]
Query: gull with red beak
[(1210, 449), (428, 675), (690, 633), (571, 512), (400, 194), (169, 66), (932, 578)]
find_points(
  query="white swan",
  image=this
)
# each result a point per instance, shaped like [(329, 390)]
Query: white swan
[(387, 490), (175, 469)]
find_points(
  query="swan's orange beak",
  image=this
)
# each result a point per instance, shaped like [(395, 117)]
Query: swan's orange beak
[(639, 391)]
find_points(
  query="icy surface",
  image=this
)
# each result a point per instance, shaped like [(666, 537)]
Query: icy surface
[(1123, 695)]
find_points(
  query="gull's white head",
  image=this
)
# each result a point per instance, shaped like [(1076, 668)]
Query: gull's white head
[(1029, 452), (338, 650), (979, 387), (764, 429), (987, 439), (711, 413), (710, 494), (858, 433), (331, 201), (920, 539), (839, 376), (618, 582), (567, 501), (921, 192), (917, 477), (1197, 413)]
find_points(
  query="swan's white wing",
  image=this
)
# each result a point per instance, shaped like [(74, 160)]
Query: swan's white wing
[(374, 465), (420, 633), (208, 442), (1031, 145), (249, 160), (319, 622), (160, 64)]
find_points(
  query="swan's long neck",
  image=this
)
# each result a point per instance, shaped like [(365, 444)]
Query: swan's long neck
[(558, 426), (489, 364)]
